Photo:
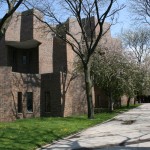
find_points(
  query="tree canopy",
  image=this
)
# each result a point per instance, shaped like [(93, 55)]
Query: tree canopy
[(141, 10)]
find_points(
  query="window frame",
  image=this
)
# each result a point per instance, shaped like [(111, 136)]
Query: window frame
[(47, 98), (29, 97), (24, 59), (20, 106)]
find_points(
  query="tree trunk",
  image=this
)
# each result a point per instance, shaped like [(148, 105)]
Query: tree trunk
[(4, 26), (88, 84), (128, 102), (119, 102), (110, 103)]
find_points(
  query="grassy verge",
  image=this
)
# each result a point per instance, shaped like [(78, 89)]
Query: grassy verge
[(125, 108), (29, 134)]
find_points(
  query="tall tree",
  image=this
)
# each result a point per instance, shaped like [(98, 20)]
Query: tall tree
[(113, 73), (137, 43), (141, 10), (85, 41), (5, 20)]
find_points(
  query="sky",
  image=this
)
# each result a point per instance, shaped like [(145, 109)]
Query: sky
[(123, 22)]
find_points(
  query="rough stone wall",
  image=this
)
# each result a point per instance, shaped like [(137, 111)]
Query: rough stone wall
[(124, 100), (101, 100), (73, 99), (89, 26), (42, 33), (72, 57), (106, 29), (51, 83), (26, 83), (12, 34), (56, 64), (67, 94), (73, 91), (14, 30), (6, 113), (3, 53), (132, 101), (20, 29), (74, 28), (10, 84), (26, 32), (59, 56), (45, 57), (26, 26)]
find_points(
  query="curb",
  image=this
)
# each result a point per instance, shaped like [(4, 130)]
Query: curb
[(75, 134), (70, 136)]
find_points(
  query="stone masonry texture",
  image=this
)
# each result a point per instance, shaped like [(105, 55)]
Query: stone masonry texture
[(38, 62)]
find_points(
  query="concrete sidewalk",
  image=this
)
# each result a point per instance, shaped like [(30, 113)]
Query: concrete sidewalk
[(127, 131)]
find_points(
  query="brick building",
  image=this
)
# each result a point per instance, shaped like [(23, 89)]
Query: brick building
[(34, 66)]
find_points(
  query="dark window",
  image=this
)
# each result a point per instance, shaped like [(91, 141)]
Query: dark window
[(14, 57), (24, 59), (47, 102), (30, 56), (29, 101), (19, 102)]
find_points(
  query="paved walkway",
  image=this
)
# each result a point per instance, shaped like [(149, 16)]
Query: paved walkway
[(127, 131)]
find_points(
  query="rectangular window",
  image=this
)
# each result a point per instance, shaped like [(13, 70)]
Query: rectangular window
[(24, 59), (19, 102), (14, 57), (29, 97), (47, 102)]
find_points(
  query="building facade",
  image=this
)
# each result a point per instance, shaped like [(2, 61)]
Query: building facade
[(36, 72), (33, 78)]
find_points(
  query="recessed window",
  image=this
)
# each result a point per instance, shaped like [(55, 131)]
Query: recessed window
[(19, 102), (29, 97), (47, 102), (14, 57), (24, 59)]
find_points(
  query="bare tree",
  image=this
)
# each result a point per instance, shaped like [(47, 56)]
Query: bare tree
[(137, 43), (141, 9), (111, 71), (83, 41), (5, 20)]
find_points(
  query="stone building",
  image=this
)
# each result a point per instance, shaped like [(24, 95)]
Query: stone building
[(33, 72), (33, 79)]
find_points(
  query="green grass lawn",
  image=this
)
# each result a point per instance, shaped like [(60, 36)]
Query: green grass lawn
[(29, 134)]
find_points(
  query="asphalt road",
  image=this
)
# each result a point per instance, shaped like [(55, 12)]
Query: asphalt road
[(127, 131)]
